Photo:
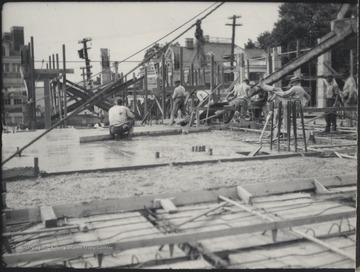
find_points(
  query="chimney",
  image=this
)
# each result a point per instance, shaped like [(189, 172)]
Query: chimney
[(189, 43), (105, 65), (17, 37)]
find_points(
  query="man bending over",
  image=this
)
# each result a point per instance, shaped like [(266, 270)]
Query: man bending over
[(121, 120)]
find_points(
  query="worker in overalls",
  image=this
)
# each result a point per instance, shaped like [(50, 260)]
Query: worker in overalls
[(179, 98)]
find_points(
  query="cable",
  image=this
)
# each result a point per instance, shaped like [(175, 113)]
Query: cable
[(124, 60), (103, 91)]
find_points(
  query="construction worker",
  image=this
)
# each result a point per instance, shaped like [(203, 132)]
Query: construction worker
[(331, 94), (121, 120), (200, 42), (179, 97), (295, 93), (241, 99), (349, 96)]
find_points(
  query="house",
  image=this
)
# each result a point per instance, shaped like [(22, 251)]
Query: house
[(254, 62), (219, 48)]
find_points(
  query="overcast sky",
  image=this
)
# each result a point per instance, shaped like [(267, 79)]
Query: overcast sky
[(126, 27)]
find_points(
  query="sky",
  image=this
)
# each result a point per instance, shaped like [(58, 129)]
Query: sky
[(126, 27)]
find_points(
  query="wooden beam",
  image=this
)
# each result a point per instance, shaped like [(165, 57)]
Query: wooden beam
[(108, 248), (310, 110), (244, 194), (333, 145), (322, 243), (342, 29), (167, 205), (202, 214), (320, 189), (267, 217), (48, 216), (348, 156)]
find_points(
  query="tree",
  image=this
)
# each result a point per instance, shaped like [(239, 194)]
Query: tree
[(265, 40), (156, 47), (250, 44), (307, 22), (303, 21)]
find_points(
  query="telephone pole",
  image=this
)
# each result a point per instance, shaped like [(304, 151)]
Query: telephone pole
[(83, 54), (234, 24)]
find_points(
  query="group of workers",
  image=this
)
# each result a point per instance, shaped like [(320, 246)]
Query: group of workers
[(260, 96)]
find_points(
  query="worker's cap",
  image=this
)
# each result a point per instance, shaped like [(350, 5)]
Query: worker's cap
[(295, 79), (177, 81)]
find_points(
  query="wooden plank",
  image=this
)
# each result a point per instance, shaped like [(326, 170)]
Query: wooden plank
[(108, 248), (48, 216), (202, 214), (302, 234), (298, 185), (321, 243), (174, 131), (167, 205), (244, 194), (118, 205), (103, 137), (333, 145), (311, 110), (337, 181), (320, 189), (193, 264), (347, 156)]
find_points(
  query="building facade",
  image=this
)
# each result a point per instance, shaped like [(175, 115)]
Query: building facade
[(13, 88)]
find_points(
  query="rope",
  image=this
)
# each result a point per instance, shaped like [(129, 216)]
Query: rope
[(104, 90)]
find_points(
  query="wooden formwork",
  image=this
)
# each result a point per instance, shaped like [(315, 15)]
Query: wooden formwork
[(201, 229)]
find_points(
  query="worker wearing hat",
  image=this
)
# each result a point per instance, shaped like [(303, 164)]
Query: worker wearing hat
[(331, 95), (179, 97), (296, 92)]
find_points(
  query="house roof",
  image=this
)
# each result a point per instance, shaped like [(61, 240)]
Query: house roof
[(251, 53), (218, 49)]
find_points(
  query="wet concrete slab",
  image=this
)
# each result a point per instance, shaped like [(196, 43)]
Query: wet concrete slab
[(60, 150)]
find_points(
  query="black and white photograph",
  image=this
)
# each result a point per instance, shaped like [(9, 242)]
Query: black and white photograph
[(179, 135)]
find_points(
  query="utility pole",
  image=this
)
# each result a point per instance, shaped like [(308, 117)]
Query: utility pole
[(83, 54), (234, 24)]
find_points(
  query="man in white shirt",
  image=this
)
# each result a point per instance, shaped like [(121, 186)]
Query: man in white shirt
[(332, 92), (349, 97), (242, 98), (121, 120), (179, 97)]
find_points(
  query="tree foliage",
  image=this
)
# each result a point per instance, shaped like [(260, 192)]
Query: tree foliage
[(250, 44), (156, 47), (265, 40), (307, 22), (300, 21)]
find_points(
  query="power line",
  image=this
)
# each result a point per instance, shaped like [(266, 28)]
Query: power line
[(100, 93)]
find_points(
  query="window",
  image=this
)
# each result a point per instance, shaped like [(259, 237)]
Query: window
[(17, 101), (18, 120), (14, 67), (7, 101), (6, 67)]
